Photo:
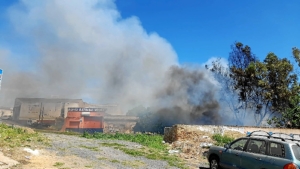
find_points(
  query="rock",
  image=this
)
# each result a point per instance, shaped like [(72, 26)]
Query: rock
[(6, 162), (173, 151), (33, 152), (206, 144)]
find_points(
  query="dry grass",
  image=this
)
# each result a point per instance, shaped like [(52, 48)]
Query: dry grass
[(233, 134)]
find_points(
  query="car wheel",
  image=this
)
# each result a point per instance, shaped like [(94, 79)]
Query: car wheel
[(214, 163)]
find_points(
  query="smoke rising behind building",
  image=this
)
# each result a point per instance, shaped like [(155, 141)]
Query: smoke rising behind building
[(85, 49)]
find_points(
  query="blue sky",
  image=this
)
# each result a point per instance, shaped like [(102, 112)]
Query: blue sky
[(200, 29), (197, 30)]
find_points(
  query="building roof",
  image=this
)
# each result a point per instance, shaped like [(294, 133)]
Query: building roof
[(120, 118), (112, 109), (34, 100), (20, 101)]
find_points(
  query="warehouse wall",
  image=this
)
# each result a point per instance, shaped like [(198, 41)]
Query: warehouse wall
[(30, 108)]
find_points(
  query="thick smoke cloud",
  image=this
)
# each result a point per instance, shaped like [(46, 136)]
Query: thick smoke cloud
[(85, 49), (188, 97)]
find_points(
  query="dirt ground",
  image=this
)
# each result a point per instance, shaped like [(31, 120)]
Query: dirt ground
[(42, 158), (39, 156)]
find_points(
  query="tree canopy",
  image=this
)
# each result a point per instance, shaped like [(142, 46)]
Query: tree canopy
[(269, 89)]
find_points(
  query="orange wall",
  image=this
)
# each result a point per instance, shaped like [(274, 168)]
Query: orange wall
[(95, 120)]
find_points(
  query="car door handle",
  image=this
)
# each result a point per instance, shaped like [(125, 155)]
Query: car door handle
[(258, 159), (237, 154)]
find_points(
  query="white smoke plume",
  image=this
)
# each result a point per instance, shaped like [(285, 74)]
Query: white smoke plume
[(85, 49)]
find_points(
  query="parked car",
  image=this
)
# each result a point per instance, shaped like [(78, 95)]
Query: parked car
[(258, 150)]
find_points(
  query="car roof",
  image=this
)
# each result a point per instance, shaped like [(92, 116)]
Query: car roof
[(277, 137)]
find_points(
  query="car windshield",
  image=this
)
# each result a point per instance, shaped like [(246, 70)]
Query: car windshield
[(296, 150)]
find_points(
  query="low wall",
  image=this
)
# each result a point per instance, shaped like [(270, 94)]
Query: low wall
[(183, 132)]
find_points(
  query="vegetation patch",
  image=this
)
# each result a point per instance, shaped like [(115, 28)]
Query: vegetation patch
[(222, 140), (151, 141), (132, 152), (153, 146), (89, 147), (102, 158), (11, 136), (115, 161), (133, 164), (58, 164)]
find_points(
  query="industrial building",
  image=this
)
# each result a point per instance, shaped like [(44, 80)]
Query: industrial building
[(97, 120), (72, 115), (43, 110)]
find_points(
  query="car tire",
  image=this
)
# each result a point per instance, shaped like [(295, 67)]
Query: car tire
[(214, 162)]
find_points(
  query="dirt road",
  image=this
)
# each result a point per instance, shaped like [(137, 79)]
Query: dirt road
[(73, 152)]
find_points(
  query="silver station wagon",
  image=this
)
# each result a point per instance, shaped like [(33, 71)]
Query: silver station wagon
[(258, 150)]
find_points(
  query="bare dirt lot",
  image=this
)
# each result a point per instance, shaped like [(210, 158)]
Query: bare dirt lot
[(68, 152), (62, 151)]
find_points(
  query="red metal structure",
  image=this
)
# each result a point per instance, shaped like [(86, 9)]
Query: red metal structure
[(84, 119)]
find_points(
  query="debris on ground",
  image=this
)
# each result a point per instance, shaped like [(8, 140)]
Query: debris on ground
[(6, 162), (191, 142)]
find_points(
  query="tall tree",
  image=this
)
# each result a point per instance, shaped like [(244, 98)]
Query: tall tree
[(296, 54), (239, 60), (264, 87), (240, 57), (275, 82), (290, 116), (227, 95)]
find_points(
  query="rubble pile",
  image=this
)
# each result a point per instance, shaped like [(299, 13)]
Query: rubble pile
[(190, 142), (187, 141)]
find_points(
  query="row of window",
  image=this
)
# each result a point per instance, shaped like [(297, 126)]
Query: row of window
[(259, 147)]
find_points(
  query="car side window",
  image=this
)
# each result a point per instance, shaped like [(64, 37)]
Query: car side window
[(256, 146), (239, 144), (277, 149)]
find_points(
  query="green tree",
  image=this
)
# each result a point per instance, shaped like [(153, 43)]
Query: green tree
[(240, 58), (279, 82), (296, 54), (275, 83), (290, 116), (227, 95), (264, 87)]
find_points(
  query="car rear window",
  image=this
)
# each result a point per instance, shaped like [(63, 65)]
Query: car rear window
[(296, 150), (277, 149)]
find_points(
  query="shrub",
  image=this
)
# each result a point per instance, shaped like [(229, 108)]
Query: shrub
[(152, 141), (222, 140), (15, 136)]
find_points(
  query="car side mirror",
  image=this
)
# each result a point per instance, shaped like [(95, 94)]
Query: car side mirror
[(226, 146)]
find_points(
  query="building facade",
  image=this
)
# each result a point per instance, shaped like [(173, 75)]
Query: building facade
[(72, 115)]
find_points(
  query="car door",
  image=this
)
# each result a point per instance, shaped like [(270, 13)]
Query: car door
[(231, 156), (276, 156), (254, 155)]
